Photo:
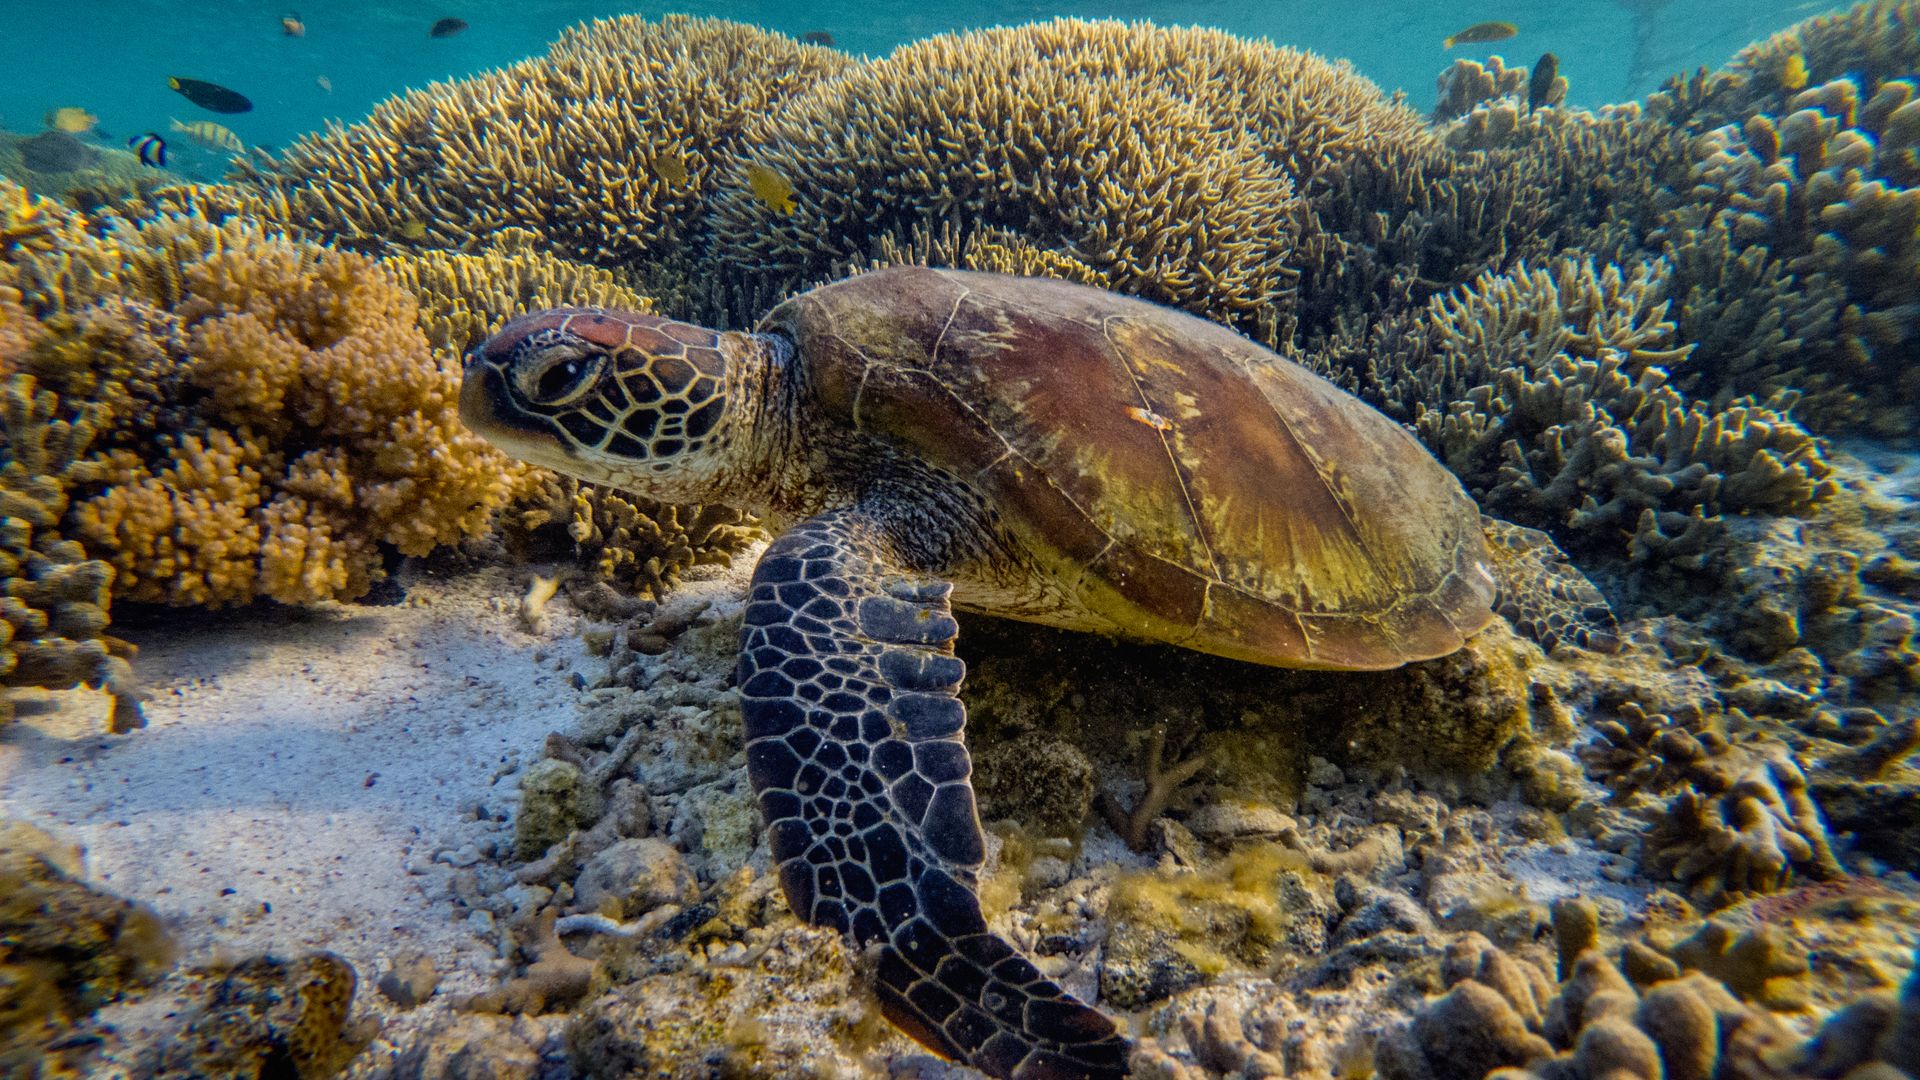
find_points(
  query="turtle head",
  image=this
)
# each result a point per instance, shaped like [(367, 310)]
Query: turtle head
[(624, 399)]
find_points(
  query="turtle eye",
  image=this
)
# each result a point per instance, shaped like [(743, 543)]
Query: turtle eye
[(558, 374)]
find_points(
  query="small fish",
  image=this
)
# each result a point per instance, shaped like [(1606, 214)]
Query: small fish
[(72, 120), (817, 37), (414, 229), (211, 135), (771, 188), (671, 167), (291, 25), (151, 148), (1479, 32), (1793, 73), (1540, 82), (323, 83), (447, 27), (210, 96)]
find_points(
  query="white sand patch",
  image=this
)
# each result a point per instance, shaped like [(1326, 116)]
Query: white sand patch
[(301, 769)]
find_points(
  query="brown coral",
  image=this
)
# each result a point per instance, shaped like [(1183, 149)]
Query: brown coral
[(1546, 391), (1829, 188), (640, 545), (1502, 1017), (1200, 142), (66, 947), (606, 147)]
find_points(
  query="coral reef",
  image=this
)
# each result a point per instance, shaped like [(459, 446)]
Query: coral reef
[(606, 148), (66, 947), (1546, 390), (266, 414), (1828, 189), (637, 544), (268, 1017), (464, 297), (1736, 817), (1204, 141)]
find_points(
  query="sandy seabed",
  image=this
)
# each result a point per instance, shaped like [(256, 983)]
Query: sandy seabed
[(308, 779)]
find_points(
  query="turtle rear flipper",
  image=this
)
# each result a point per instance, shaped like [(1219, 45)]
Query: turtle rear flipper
[(847, 689), (1543, 594)]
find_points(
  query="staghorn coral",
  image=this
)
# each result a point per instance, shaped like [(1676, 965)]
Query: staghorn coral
[(465, 297), (1546, 390), (1391, 230), (1467, 84), (1828, 188), (1873, 41), (606, 148), (1202, 141)]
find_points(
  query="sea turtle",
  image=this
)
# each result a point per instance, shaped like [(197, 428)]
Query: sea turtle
[(927, 438)]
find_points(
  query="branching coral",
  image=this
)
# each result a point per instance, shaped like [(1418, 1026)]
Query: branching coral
[(1829, 190), (266, 414), (1394, 228), (638, 544), (1546, 391), (1737, 817), (465, 297), (324, 427), (606, 147), (1166, 159)]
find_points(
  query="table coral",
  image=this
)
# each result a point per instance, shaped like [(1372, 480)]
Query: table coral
[(606, 147), (1191, 198)]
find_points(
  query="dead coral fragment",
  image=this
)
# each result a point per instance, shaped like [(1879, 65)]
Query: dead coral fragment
[(554, 980)]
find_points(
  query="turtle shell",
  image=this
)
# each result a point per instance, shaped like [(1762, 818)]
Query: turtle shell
[(1177, 481)]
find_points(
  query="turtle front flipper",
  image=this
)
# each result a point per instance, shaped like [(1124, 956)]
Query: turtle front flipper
[(847, 688), (1542, 593)]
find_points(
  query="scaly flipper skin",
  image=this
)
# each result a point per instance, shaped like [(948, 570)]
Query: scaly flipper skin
[(1543, 594), (847, 686)]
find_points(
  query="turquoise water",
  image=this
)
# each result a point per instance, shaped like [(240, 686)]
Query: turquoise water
[(113, 58)]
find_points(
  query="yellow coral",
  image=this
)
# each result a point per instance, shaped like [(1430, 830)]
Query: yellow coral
[(572, 145), (1166, 159)]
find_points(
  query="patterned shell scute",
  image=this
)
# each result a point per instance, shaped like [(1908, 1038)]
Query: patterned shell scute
[(1212, 484)]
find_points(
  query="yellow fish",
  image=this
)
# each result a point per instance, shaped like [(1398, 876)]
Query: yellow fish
[(211, 135), (72, 120), (414, 229), (671, 167), (771, 188), (1479, 32), (1793, 73)]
